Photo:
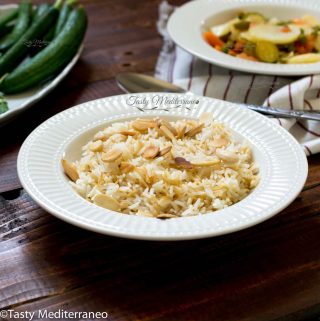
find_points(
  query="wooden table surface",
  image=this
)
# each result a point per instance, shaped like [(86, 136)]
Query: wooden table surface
[(268, 272)]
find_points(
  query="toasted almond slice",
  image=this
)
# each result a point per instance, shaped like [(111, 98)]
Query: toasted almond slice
[(249, 157), (205, 172), (112, 155), (219, 142), (158, 121), (183, 163), (151, 152), (194, 131), (209, 162), (164, 151), (254, 182), (142, 171), (101, 136), (96, 146), (227, 156), (142, 125), (181, 131), (124, 204), (146, 120), (70, 170), (165, 131), (169, 126), (128, 133), (101, 179), (143, 175), (206, 118), (107, 201), (255, 169), (164, 216), (126, 167), (164, 202)]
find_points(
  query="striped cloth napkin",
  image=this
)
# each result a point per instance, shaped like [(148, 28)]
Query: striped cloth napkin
[(177, 66)]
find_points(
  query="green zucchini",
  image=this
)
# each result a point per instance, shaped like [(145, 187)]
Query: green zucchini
[(63, 16), (41, 9), (22, 24), (51, 60), (20, 49), (55, 30), (44, 42), (39, 43), (8, 18), (48, 37), (5, 30), (3, 105)]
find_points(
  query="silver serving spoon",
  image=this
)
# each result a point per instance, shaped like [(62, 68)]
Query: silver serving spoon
[(138, 83)]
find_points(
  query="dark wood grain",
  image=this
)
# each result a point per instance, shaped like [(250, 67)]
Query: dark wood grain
[(263, 273), (268, 272)]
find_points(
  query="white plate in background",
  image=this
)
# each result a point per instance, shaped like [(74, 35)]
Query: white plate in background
[(188, 22)]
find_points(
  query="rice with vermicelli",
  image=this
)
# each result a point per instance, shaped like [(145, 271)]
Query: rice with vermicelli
[(152, 167)]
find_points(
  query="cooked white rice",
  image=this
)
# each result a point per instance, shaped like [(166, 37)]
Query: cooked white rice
[(203, 172)]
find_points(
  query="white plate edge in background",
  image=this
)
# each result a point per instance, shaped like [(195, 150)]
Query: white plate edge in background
[(185, 23)]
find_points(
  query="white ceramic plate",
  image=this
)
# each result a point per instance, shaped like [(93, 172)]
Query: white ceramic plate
[(282, 163), (20, 102), (187, 23)]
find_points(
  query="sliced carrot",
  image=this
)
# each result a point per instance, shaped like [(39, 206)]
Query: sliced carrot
[(306, 47), (311, 41), (243, 55), (232, 52), (298, 22), (218, 47), (285, 29), (212, 39)]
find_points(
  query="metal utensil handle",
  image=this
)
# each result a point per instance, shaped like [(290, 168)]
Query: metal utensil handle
[(285, 113)]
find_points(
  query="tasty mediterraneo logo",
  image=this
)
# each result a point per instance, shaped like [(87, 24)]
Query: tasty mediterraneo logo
[(161, 102)]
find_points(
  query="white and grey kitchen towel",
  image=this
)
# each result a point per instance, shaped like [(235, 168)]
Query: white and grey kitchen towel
[(177, 66)]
